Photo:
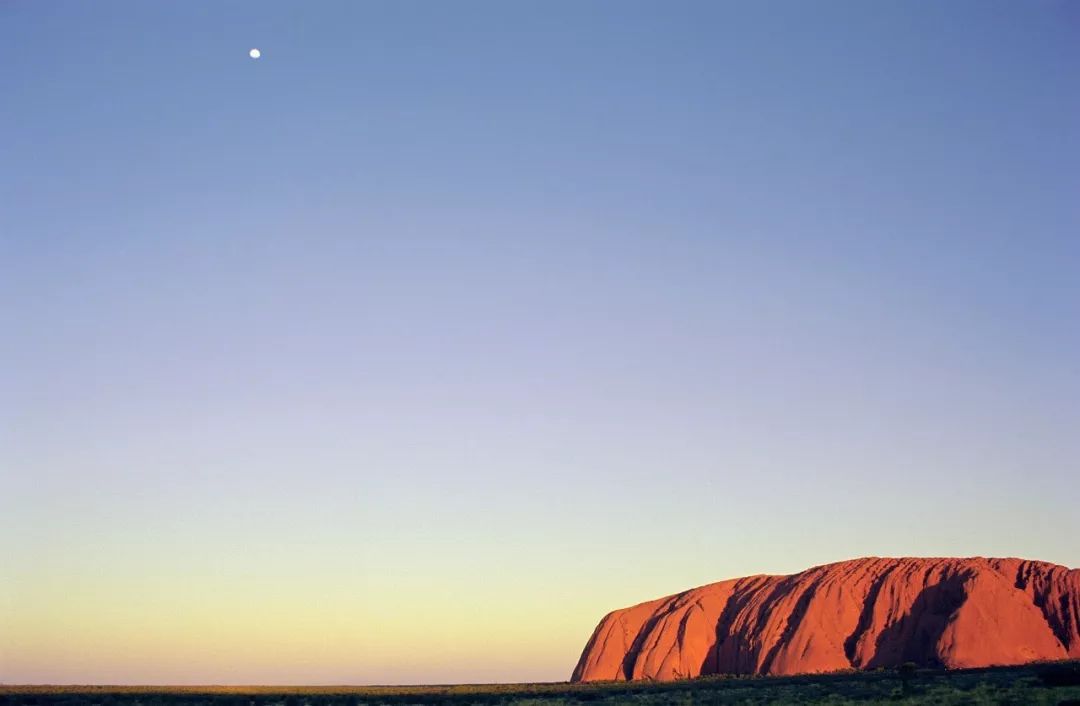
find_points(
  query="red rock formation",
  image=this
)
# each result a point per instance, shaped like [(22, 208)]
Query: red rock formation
[(861, 614)]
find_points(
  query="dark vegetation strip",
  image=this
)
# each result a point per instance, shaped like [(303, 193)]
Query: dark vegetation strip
[(1050, 683)]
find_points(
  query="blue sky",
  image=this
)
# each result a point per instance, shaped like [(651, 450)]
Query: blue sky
[(518, 312)]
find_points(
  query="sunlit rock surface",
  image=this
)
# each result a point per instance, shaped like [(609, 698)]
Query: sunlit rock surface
[(862, 614)]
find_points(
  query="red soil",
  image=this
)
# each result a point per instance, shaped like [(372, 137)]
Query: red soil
[(861, 614)]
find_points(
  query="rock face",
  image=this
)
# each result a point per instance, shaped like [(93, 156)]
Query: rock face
[(861, 614)]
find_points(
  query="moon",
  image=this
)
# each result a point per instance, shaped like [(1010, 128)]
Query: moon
[(254, 53)]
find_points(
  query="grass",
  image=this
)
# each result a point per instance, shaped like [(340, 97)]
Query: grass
[(1054, 684)]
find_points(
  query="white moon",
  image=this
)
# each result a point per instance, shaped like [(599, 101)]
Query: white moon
[(254, 53)]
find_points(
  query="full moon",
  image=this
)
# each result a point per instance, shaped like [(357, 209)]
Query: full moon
[(254, 53)]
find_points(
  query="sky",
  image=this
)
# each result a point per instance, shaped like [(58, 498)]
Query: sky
[(407, 351)]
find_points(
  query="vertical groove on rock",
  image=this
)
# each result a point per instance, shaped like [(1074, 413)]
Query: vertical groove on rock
[(865, 618)]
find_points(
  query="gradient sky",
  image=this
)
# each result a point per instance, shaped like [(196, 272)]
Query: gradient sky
[(407, 351)]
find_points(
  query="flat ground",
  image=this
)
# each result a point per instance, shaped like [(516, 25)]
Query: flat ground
[(1057, 683)]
